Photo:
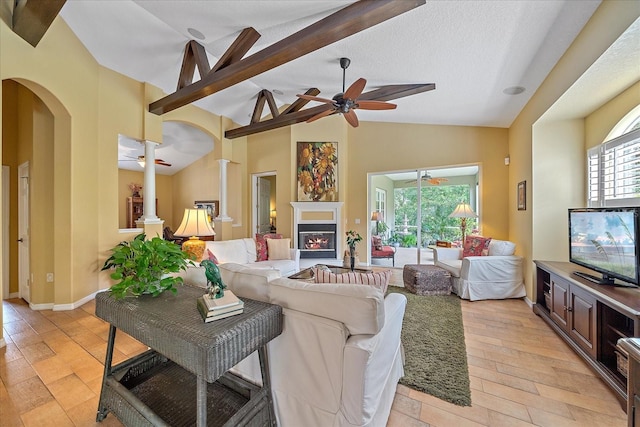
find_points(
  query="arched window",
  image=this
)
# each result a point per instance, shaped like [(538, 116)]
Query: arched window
[(614, 166)]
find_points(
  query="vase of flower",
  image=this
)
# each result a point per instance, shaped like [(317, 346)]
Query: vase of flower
[(352, 239)]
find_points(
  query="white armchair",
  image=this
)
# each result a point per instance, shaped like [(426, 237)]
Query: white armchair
[(495, 276)]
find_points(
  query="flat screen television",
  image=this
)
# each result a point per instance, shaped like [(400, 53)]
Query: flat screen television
[(606, 240)]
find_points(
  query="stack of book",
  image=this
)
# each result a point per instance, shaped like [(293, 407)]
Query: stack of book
[(218, 308)]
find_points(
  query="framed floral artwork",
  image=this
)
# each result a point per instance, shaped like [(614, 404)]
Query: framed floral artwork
[(317, 171)]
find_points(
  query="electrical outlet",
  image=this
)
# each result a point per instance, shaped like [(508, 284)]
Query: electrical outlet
[(357, 221), (49, 277)]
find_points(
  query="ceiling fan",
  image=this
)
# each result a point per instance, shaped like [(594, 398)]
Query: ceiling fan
[(429, 179), (140, 159), (347, 101)]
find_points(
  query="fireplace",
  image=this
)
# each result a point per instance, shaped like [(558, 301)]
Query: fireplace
[(317, 240), (322, 224)]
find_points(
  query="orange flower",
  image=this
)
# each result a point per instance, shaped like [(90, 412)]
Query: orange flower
[(328, 150), (306, 156)]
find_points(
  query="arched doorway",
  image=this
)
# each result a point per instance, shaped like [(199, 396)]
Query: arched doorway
[(36, 131)]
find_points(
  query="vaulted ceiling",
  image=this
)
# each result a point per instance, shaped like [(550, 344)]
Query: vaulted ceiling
[(472, 50)]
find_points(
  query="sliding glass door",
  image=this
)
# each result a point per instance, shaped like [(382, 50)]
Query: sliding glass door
[(412, 210)]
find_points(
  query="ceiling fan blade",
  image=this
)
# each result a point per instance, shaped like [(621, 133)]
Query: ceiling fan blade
[(325, 113), (351, 118), (315, 98), (162, 163), (355, 90), (376, 105), (389, 92)]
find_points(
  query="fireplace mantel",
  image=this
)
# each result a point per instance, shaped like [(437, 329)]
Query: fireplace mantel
[(318, 213)]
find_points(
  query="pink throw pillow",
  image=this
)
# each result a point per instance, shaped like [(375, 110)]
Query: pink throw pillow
[(475, 246), (262, 251), (376, 242), (211, 257)]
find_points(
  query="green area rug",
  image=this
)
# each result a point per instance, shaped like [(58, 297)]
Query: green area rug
[(435, 354)]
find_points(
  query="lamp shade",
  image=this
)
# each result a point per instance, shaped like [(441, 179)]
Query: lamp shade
[(463, 210), (376, 216), (195, 222)]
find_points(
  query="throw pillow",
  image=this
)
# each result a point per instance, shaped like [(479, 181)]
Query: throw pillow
[(378, 280), (211, 257), (326, 276), (262, 253), (474, 245), (501, 247), (376, 242), (278, 248)]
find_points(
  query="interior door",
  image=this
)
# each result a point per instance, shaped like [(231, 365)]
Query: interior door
[(24, 282), (264, 195)]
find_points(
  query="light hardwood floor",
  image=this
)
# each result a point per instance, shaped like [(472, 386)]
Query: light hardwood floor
[(521, 373)]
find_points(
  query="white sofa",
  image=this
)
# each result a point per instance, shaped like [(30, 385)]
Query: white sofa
[(339, 358), (243, 252), (495, 276)]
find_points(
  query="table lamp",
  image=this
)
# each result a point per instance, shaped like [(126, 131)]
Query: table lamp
[(194, 223), (463, 211), (377, 217)]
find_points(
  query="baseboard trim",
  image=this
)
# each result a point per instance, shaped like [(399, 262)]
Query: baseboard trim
[(38, 307), (3, 343), (65, 307), (74, 305)]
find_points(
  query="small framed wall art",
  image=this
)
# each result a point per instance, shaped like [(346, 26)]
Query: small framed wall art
[(212, 207), (522, 196)]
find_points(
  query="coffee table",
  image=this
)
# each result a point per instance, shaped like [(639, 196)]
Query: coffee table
[(307, 273)]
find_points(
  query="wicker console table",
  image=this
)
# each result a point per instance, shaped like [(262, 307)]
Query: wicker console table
[(183, 378)]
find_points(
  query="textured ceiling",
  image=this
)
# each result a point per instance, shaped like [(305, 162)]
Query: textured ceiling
[(472, 50)]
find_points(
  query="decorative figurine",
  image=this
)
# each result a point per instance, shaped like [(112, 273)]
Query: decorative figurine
[(215, 286)]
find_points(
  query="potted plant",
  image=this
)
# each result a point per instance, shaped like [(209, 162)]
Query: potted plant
[(144, 266)]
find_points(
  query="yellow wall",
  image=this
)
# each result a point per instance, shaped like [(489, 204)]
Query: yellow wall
[(609, 21), (90, 106), (412, 146)]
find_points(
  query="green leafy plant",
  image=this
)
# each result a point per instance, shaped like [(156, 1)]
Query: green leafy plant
[(409, 240), (143, 266), (353, 237)]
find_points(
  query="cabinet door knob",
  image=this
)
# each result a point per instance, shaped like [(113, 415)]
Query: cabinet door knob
[(21, 240), (569, 309)]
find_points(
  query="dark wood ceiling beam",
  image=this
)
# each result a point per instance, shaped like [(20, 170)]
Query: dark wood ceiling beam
[(257, 110), (273, 108), (194, 55), (345, 22), (292, 116), (32, 18), (299, 103), (241, 45), (278, 122)]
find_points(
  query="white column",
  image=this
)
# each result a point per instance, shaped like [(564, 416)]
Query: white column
[(222, 216), (149, 190)]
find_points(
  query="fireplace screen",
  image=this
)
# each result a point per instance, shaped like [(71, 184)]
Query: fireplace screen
[(317, 241)]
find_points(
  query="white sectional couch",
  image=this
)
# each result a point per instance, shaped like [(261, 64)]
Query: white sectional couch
[(495, 276), (243, 252), (339, 358)]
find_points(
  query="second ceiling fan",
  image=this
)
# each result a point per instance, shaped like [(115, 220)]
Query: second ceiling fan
[(347, 101)]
